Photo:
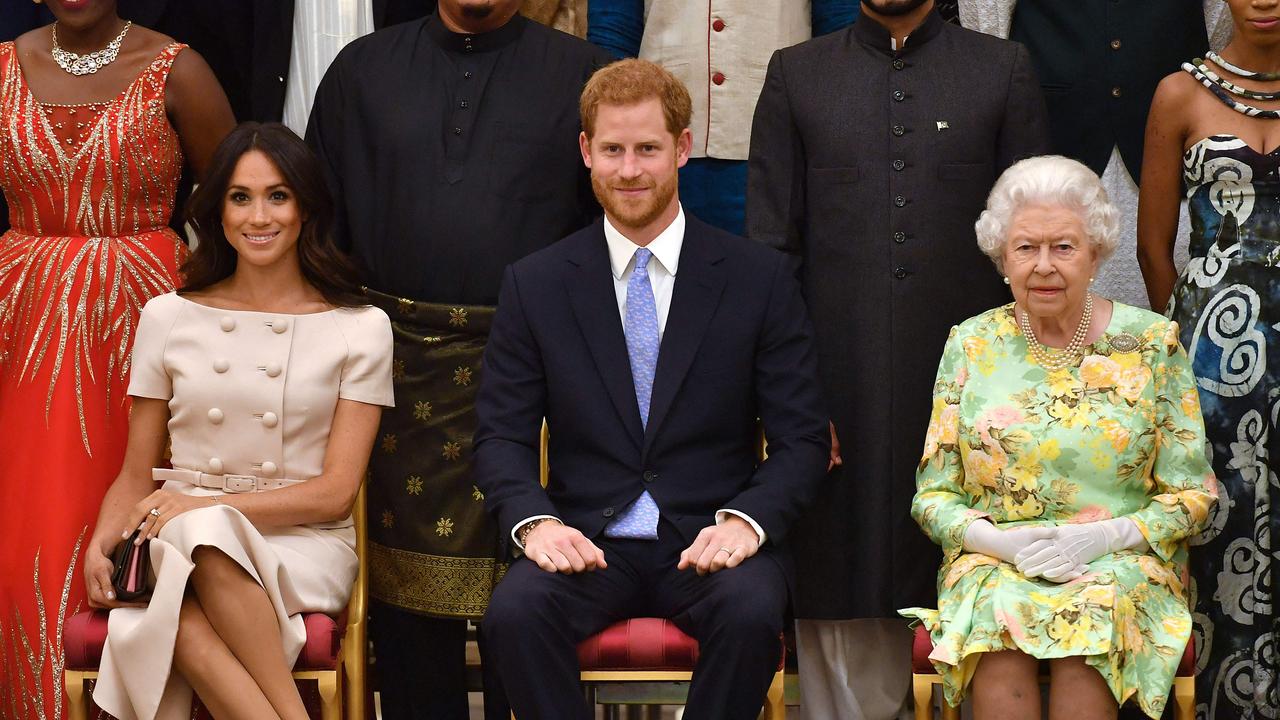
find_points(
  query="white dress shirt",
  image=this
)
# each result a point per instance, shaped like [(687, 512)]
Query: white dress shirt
[(662, 277)]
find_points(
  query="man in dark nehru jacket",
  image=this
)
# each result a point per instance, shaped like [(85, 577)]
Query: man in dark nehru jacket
[(872, 153), (450, 144)]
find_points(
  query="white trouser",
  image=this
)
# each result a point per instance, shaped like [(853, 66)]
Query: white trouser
[(854, 669)]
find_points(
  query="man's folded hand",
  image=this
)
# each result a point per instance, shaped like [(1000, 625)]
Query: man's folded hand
[(721, 546), (560, 548)]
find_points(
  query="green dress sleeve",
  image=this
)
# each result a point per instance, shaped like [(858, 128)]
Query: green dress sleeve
[(1179, 475), (941, 505)]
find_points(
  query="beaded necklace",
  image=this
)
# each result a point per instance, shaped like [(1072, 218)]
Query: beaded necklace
[(1058, 359), (1225, 96), (1236, 70)]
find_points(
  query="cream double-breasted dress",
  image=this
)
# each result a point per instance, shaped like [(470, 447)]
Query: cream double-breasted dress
[(249, 394)]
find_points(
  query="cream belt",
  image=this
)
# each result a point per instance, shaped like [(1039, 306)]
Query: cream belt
[(226, 483)]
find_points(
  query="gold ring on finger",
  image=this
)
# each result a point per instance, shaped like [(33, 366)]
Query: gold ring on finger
[(725, 550)]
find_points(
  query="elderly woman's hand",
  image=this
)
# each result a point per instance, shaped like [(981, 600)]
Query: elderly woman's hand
[(983, 537), (1067, 554)]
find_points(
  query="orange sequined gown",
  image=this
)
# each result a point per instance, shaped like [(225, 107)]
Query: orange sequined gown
[(90, 190)]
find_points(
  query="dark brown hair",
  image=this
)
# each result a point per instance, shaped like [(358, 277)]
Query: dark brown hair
[(323, 265), (631, 81)]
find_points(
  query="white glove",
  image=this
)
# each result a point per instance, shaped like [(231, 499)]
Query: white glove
[(983, 537), (1072, 547)]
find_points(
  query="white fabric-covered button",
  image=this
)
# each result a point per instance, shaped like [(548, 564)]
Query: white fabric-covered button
[(227, 323), (268, 469), (273, 369), (221, 365), (215, 466), (279, 325), (215, 416), (269, 419)]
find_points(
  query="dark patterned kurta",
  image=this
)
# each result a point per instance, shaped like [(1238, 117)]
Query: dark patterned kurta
[(451, 156), (1226, 304)]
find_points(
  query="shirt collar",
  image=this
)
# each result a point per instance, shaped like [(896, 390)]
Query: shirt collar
[(877, 36), (665, 247), (474, 42)]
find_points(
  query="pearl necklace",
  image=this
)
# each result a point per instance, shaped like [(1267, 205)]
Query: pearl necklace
[(1058, 359), (88, 63)]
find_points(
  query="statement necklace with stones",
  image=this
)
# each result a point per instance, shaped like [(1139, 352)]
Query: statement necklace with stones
[(1058, 359), (1251, 74), (88, 63)]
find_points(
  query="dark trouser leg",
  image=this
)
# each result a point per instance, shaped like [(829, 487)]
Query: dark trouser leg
[(536, 620), (496, 706), (737, 616), (421, 664)]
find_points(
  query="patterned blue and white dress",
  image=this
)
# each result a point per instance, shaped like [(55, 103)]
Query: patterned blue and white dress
[(1227, 303)]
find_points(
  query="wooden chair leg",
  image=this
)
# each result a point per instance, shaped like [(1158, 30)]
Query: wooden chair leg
[(922, 694), (330, 698), (775, 705), (77, 703), (1184, 697)]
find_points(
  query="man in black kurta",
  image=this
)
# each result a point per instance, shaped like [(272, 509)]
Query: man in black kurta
[(871, 164), (451, 154)]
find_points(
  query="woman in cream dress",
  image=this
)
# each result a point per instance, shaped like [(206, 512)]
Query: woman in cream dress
[(269, 372)]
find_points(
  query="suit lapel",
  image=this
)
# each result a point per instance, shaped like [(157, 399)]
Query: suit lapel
[(595, 306), (699, 283)]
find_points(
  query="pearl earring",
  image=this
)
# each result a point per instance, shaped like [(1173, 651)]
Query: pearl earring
[(1006, 280)]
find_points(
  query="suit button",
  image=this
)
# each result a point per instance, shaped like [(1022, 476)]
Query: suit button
[(466, 75), (899, 237), (1116, 92), (270, 419), (268, 469), (717, 78), (900, 201), (215, 416), (608, 512), (899, 95), (272, 369), (1115, 44), (898, 64), (280, 325), (899, 165), (215, 466), (900, 272), (220, 365), (899, 130), (650, 476), (717, 25), (227, 323)]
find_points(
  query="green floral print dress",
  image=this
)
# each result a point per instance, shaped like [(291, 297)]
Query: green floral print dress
[(1118, 436)]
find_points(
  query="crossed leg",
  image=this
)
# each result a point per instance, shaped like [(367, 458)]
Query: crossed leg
[(229, 643)]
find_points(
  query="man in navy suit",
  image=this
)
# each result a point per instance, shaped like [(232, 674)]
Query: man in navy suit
[(651, 343)]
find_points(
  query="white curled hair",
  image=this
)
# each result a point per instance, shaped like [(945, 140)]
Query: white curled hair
[(1048, 180)]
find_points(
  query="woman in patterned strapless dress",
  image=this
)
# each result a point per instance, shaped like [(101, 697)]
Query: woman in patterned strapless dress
[(1215, 128), (95, 119)]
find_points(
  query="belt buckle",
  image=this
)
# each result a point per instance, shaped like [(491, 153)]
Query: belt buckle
[(239, 483)]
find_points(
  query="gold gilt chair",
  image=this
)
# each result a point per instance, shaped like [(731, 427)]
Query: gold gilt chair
[(648, 661), (334, 655)]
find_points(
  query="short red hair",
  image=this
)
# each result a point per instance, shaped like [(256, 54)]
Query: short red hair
[(631, 81)]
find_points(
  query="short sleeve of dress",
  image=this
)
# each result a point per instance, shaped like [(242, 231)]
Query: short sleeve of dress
[(366, 375), (147, 376)]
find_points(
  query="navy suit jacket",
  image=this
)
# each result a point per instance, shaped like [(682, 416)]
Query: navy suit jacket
[(737, 347)]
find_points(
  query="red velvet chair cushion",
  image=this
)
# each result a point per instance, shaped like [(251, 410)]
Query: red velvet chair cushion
[(922, 645), (85, 634), (639, 644)]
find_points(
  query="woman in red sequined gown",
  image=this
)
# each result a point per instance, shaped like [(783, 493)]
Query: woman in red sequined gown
[(88, 165)]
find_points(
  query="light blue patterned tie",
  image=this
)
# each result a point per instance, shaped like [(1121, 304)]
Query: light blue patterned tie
[(639, 521)]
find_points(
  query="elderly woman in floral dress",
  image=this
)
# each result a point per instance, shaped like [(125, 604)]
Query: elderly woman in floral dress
[(1063, 470)]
